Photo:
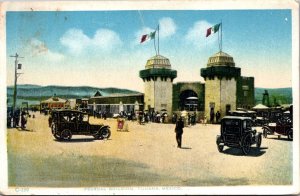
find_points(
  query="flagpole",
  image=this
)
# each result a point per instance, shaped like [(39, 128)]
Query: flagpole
[(221, 34), (154, 46), (219, 43), (158, 37)]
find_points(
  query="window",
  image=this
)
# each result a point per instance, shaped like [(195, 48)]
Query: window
[(245, 93)]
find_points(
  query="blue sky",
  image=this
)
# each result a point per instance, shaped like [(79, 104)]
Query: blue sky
[(102, 49)]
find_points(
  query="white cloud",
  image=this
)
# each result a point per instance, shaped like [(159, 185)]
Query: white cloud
[(167, 27), (39, 49), (197, 35), (77, 42)]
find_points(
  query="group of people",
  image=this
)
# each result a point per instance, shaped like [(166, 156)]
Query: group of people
[(145, 117), (14, 118), (213, 116)]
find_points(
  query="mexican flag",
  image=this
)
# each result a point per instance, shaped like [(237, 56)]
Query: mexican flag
[(148, 36), (212, 29)]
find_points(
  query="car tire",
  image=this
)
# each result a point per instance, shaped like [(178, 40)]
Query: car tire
[(290, 134), (66, 134), (105, 133), (54, 131), (246, 144), (258, 142)]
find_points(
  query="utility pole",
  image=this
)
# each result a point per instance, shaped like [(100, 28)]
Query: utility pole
[(17, 66)]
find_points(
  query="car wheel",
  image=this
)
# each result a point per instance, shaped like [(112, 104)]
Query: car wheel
[(258, 142), (246, 144), (290, 135), (265, 133), (66, 134), (105, 133), (54, 131)]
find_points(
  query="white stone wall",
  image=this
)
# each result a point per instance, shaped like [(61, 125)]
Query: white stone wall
[(212, 94), (228, 95), (220, 92), (163, 95), (149, 94), (158, 94)]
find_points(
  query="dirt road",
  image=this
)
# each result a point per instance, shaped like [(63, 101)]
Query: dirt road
[(147, 155)]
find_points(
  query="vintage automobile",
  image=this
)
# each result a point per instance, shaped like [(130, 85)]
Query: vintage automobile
[(65, 123), (283, 126), (237, 132)]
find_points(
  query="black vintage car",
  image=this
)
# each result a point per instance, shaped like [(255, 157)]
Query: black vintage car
[(237, 132), (283, 126), (65, 123)]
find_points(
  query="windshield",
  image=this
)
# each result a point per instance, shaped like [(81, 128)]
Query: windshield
[(231, 125), (231, 122)]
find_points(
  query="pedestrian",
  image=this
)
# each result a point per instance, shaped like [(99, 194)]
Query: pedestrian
[(179, 131), (23, 120), (205, 120), (218, 115), (212, 116)]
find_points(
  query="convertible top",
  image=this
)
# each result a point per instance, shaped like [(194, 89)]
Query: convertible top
[(68, 110), (237, 117)]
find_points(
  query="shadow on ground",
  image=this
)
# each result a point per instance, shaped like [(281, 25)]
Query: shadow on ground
[(280, 139), (76, 140), (96, 171), (254, 152), (186, 148)]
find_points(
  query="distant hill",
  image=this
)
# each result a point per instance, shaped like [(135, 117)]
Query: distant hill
[(34, 93), (282, 95)]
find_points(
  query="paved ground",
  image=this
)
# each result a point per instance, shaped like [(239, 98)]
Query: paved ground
[(145, 156)]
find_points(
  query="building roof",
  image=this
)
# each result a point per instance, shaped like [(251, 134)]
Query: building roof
[(221, 59), (54, 100), (118, 95), (158, 61)]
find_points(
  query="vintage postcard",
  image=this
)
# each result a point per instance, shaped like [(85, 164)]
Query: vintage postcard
[(149, 97)]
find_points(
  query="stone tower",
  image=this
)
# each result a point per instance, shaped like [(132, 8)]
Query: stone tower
[(220, 84), (158, 82)]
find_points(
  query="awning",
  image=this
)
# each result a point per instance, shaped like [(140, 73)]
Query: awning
[(260, 107)]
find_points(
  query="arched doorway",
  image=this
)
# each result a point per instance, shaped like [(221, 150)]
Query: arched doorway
[(188, 101)]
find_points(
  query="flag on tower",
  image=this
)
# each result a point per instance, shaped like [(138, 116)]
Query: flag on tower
[(148, 36), (212, 29)]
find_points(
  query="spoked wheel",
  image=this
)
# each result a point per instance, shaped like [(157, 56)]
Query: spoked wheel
[(54, 131), (246, 144), (290, 135), (66, 134), (105, 133), (265, 133), (258, 142)]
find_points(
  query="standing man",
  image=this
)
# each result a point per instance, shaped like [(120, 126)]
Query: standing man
[(218, 115), (179, 131), (212, 116)]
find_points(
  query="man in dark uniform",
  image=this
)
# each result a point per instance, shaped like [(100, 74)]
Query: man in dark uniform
[(179, 131)]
